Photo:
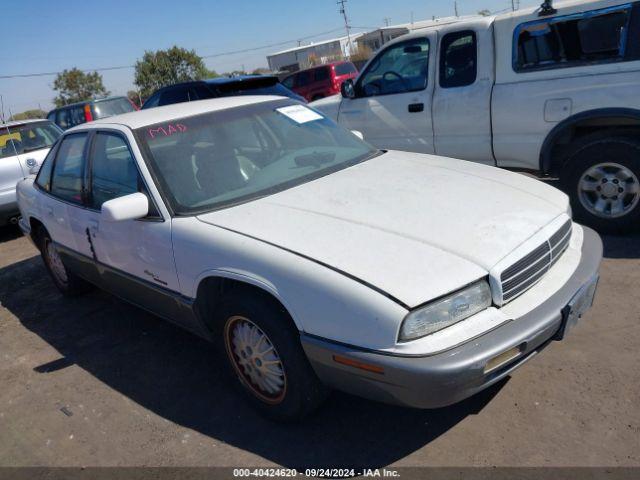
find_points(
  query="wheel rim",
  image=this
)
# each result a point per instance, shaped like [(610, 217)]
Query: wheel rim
[(609, 190), (255, 360), (55, 263)]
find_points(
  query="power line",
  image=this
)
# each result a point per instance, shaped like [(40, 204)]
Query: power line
[(213, 55)]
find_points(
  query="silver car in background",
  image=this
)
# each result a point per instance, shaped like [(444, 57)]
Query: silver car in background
[(23, 146)]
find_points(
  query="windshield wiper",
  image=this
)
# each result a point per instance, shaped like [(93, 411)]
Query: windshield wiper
[(315, 159)]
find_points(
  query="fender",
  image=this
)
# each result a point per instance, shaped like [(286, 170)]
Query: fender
[(560, 128), (250, 279)]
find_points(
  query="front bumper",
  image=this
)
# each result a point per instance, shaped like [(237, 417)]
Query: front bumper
[(448, 377)]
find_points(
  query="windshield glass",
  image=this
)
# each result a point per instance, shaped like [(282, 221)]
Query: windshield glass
[(111, 107), (27, 138), (222, 158)]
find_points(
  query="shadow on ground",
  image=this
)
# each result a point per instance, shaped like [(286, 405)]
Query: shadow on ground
[(9, 232), (175, 375)]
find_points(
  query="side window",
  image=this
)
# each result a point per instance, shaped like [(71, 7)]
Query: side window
[(288, 82), (304, 78), (199, 92), (400, 68), (598, 36), (174, 95), (43, 180), (66, 181), (113, 169), (321, 74), (52, 116), (458, 59), (62, 118), (76, 116)]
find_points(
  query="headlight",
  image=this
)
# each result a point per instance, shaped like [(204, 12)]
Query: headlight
[(446, 311)]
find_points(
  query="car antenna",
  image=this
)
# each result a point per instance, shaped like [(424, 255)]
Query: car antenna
[(547, 8)]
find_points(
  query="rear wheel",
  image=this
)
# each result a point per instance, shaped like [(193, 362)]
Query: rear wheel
[(602, 177), (264, 354), (68, 283)]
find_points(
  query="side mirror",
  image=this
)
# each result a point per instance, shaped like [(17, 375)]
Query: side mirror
[(358, 134), (347, 89), (129, 207)]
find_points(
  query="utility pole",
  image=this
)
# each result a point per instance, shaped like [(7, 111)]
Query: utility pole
[(343, 12), (455, 7), (411, 18), (386, 21), (2, 108)]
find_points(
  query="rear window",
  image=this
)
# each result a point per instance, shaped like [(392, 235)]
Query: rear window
[(27, 138), (597, 36), (321, 74), (111, 107), (345, 69)]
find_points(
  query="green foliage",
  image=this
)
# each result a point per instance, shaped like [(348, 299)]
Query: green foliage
[(135, 98), (26, 115), (166, 67), (76, 86), (484, 13)]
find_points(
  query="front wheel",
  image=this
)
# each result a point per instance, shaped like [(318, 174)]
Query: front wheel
[(264, 354), (602, 178)]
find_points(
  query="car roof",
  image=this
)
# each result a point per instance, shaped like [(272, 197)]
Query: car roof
[(94, 100), (142, 118), (15, 123), (236, 79)]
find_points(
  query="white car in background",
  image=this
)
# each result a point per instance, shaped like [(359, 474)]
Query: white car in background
[(23, 146), (309, 257)]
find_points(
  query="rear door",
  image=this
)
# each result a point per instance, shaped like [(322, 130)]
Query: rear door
[(392, 107), (462, 98)]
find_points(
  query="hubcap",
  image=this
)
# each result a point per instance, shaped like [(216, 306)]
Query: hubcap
[(609, 190), (55, 263), (255, 360)]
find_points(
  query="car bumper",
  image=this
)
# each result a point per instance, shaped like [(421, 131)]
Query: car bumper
[(448, 377)]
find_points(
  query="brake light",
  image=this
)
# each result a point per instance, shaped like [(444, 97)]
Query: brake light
[(87, 113)]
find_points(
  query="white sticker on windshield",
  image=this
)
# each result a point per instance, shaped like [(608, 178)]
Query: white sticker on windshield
[(299, 113)]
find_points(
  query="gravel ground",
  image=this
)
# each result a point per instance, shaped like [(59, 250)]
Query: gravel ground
[(93, 381)]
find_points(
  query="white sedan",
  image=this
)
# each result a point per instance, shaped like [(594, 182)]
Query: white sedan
[(312, 259)]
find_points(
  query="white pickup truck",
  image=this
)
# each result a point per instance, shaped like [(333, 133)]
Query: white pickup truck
[(552, 89)]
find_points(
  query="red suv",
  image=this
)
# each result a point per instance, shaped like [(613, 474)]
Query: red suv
[(323, 81)]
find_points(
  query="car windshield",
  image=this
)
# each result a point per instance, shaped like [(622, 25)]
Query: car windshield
[(111, 107), (218, 159), (27, 137)]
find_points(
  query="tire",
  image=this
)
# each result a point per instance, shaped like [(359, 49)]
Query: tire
[(69, 284), (601, 176), (286, 390)]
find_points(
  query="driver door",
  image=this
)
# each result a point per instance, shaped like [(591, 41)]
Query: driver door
[(392, 107)]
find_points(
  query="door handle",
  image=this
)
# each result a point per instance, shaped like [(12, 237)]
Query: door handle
[(416, 107)]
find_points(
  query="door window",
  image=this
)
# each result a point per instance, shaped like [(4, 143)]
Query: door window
[(321, 74), (304, 79), (400, 68), (458, 59), (113, 170), (62, 118), (174, 95), (66, 181)]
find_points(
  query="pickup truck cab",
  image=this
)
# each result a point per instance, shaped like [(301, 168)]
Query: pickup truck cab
[(309, 257), (546, 90)]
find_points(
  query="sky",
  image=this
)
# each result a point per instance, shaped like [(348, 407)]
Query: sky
[(50, 36)]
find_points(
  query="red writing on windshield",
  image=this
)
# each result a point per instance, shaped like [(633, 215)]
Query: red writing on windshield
[(167, 130)]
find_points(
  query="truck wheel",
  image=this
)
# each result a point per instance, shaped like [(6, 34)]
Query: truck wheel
[(602, 178), (68, 283), (264, 354)]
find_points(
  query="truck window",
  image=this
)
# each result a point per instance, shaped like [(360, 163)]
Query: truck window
[(597, 36), (403, 67), (458, 59)]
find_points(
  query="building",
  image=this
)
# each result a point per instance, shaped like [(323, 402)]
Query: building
[(374, 39), (306, 56)]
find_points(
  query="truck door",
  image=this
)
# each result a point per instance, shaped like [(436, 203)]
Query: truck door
[(462, 97), (392, 104)]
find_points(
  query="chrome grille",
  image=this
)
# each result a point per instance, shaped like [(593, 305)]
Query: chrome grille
[(523, 274)]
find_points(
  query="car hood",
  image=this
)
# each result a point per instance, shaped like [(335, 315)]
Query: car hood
[(414, 226)]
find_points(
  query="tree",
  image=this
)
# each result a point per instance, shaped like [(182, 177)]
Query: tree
[(26, 115), (135, 98), (166, 67), (76, 86), (484, 13), (261, 71)]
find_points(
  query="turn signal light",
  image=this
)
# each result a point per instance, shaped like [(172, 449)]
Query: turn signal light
[(356, 364), (502, 359)]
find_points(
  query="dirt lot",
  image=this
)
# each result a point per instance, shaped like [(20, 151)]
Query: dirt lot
[(94, 381)]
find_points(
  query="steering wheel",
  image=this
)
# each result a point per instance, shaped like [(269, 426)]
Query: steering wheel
[(398, 76)]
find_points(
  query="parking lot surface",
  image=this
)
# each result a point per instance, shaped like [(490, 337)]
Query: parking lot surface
[(93, 381)]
